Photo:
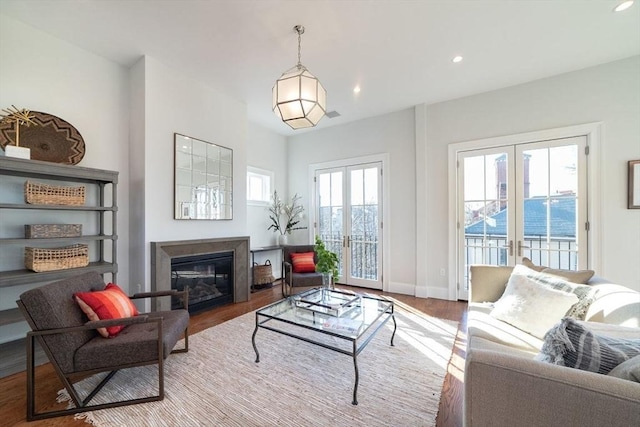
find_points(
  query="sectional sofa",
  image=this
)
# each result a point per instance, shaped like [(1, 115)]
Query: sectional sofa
[(505, 384)]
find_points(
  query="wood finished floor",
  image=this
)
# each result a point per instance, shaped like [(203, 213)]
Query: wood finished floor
[(13, 388)]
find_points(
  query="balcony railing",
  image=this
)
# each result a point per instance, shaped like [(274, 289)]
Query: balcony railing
[(558, 253)]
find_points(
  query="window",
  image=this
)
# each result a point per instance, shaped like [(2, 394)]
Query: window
[(259, 182)]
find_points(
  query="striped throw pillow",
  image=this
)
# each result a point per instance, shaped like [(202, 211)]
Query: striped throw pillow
[(303, 262), (111, 303), (571, 344)]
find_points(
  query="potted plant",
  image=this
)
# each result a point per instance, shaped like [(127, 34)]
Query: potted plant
[(285, 217), (327, 263)]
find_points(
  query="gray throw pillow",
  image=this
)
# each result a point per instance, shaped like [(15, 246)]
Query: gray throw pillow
[(573, 345), (628, 370)]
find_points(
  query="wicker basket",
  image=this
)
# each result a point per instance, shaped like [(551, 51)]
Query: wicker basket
[(49, 231), (262, 274), (41, 259), (45, 194)]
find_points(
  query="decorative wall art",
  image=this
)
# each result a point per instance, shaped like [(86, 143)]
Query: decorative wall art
[(634, 184), (50, 138)]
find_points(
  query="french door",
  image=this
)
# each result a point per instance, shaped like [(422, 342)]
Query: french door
[(525, 200), (348, 212)]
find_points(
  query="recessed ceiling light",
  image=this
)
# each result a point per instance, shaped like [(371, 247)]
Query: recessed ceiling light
[(623, 6), (457, 59), (356, 89)]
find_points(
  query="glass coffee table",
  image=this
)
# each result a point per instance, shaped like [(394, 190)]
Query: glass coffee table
[(320, 312)]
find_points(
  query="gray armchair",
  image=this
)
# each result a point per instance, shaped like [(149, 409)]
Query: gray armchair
[(297, 280), (76, 350)]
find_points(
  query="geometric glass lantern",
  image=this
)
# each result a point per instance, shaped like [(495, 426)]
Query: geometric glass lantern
[(299, 99)]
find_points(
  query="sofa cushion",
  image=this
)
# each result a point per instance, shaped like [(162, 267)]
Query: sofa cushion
[(136, 343), (627, 370), (573, 276), (482, 325), (572, 344), (577, 276), (614, 304), (484, 344), (530, 305), (304, 279), (528, 263)]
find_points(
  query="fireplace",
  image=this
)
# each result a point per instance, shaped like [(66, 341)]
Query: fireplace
[(163, 255), (209, 279)]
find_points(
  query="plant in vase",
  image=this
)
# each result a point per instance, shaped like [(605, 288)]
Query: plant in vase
[(327, 263), (285, 216)]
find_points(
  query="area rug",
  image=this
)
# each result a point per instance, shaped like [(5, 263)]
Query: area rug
[(296, 383)]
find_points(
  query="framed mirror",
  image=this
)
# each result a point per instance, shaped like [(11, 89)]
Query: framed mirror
[(203, 177)]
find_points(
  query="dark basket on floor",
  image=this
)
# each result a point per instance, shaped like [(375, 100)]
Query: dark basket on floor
[(263, 274)]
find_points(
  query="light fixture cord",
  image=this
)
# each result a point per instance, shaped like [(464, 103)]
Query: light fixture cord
[(299, 38)]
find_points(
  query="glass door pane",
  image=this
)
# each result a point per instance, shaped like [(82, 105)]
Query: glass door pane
[(550, 206), (485, 198), (364, 226), (331, 211)]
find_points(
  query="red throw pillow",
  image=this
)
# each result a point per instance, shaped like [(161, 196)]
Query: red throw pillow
[(303, 262), (111, 303)]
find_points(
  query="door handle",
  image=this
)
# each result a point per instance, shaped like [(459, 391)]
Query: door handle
[(344, 241), (520, 247), (348, 241), (510, 246)]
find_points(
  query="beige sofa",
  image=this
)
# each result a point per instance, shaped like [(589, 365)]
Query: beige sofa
[(505, 386)]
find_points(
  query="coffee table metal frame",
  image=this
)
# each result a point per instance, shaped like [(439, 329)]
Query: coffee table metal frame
[(358, 341)]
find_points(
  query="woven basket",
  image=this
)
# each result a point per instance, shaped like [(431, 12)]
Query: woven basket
[(262, 274), (41, 259), (49, 231), (45, 194)]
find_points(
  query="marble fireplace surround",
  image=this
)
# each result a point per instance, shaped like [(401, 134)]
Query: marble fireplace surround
[(163, 252)]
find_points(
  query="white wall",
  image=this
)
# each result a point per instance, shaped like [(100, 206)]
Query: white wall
[(266, 150), (392, 134), (173, 103), (609, 93), (42, 73)]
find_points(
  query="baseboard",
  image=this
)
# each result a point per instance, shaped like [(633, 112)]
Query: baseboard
[(402, 288), (437, 292)]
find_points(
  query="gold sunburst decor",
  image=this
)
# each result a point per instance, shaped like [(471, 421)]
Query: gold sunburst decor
[(20, 117)]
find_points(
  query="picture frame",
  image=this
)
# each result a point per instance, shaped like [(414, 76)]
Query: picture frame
[(634, 184)]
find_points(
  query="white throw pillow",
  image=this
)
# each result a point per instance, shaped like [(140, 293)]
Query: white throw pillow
[(585, 293), (531, 306)]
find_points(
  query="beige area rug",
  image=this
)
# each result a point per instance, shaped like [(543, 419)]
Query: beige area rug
[(218, 382)]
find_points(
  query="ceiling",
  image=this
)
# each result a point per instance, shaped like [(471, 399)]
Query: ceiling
[(398, 51)]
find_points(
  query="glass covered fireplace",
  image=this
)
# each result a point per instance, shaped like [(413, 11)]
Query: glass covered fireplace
[(208, 277)]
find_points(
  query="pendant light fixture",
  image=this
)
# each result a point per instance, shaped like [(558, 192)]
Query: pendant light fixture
[(299, 99)]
